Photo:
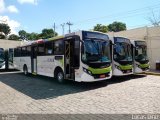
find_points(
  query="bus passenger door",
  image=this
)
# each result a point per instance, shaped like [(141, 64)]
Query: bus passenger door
[(34, 59), (71, 56)]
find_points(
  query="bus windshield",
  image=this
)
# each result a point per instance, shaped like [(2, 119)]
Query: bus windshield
[(122, 51), (141, 53), (96, 51)]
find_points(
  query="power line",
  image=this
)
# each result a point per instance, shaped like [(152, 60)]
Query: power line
[(125, 14), (121, 13)]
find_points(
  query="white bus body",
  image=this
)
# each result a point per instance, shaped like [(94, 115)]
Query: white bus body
[(80, 56), (122, 62), (141, 61)]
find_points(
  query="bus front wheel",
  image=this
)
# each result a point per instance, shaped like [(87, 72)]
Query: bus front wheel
[(59, 75)]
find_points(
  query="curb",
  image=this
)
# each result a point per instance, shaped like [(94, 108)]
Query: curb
[(152, 73)]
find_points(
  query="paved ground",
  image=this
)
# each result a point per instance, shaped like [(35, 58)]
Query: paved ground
[(36, 94)]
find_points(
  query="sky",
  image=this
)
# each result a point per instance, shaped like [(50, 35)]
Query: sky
[(35, 15)]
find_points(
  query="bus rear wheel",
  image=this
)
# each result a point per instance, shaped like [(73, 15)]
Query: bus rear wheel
[(25, 70), (60, 76)]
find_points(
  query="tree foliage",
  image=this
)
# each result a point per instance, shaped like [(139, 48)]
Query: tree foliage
[(22, 34), (4, 28), (116, 26), (32, 36), (2, 36), (100, 28), (13, 37), (48, 33), (154, 19)]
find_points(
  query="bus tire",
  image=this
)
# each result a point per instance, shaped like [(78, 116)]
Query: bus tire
[(25, 70), (59, 75)]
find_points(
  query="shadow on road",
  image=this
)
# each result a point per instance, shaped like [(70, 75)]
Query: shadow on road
[(8, 70), (40, 87)]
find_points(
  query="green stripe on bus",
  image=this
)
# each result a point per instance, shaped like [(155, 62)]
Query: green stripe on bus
[(99, 70), (61, 61), (126, 67), (54, 38), (144, 65), (34, 73)]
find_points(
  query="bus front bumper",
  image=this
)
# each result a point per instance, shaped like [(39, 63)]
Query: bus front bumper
[(88, 78)]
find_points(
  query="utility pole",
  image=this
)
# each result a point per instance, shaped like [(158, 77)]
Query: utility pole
[(54, 28), (63, 28), (69, 25)]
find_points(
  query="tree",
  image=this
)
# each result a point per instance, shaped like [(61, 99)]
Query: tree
[(22, 34), (154, 19), (32, 36), (2, 36), (116, 26), (4, 28), (13, 37), (48, 33), (100, 28)]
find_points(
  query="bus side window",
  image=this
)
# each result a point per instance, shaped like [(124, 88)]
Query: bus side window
[(23, 52), (19, 52), (28, 51), (15, 52), (41, 49), (48, 48), (58, 47)]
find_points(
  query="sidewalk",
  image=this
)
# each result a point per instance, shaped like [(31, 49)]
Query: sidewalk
[(153, 72)]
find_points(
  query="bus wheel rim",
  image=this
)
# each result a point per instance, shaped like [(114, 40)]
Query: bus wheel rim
[(60, 76)]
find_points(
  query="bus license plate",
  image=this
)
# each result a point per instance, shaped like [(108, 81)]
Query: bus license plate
[(128, 71), (102, 76)]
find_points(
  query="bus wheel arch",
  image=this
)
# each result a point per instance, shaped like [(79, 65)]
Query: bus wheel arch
[(25, 69), (59, 75)]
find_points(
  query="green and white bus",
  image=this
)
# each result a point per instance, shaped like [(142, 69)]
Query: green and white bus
[(79, 56), (141, 61), (122, 63)]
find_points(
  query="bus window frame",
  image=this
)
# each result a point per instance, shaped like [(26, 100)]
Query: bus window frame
[(38, 45)]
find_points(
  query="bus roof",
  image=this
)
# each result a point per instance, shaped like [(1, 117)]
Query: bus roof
[(39, 41)]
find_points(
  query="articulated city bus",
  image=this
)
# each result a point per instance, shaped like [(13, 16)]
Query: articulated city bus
[(2, 59), (141, 61), (122, 63), (80, 56)]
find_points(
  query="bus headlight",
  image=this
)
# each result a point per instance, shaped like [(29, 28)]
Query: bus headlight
[(87, 71), (117, 67), (2, 64)]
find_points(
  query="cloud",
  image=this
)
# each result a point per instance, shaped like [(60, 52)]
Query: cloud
[(2, 6), (34, 2), (12, 23), (10, 8)]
